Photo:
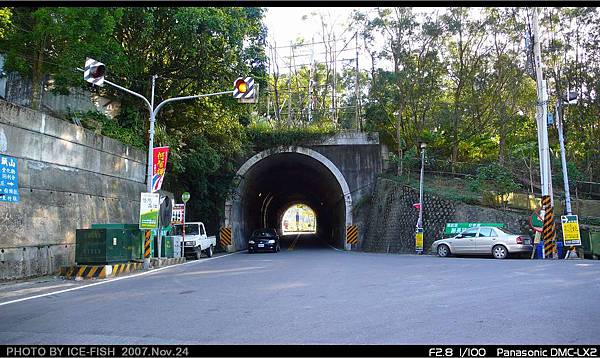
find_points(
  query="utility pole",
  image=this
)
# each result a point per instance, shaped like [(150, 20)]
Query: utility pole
[(356, 103), (310, 81), (563, 158), (333, 82), (548, 233), (419, 229), (290, 87)]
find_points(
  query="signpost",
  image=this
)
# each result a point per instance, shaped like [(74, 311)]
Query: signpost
[(570, 225), (184, 197), (149, 208), (9, 179)]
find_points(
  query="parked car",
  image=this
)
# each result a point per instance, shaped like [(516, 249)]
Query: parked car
[(483, 240), (196, 241), (264, 240)]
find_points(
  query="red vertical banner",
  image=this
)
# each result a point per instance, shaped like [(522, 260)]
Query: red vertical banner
[(159, 166)]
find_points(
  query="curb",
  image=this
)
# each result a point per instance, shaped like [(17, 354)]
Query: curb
[(86, 272), (155, 262)]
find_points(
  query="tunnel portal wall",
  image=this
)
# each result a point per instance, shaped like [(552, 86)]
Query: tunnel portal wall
[(354, 158)]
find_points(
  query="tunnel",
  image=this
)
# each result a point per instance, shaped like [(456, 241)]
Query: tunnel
[(276, 179)]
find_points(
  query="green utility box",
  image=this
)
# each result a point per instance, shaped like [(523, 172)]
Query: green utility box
[(166, 246), (595, 244), (136, 237), (585, 241), (102, 246)]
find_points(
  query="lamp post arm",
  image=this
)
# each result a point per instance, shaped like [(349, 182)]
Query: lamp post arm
[(126, 90), (131, 92), (187, 97)]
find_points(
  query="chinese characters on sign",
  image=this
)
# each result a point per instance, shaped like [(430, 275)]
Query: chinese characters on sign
[(570, 225), (149, 206), (159, 166), (9, 180), (177, 214)]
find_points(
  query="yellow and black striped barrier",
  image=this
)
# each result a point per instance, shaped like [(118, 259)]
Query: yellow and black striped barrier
[(548, 232), (126, 268), (147, 244), (352, 234), (225, 236), (83, 271)]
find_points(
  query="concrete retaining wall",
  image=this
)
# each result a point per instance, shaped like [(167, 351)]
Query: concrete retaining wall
[(69, 178)]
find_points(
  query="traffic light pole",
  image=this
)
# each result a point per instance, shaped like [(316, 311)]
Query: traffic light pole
[(548, 233), (153, 113)]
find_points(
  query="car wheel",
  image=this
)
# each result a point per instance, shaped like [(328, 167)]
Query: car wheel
[(443, 251), (499, 252), (209, 251)]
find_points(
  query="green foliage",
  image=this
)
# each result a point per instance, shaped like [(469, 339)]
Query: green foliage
[(495, 177), (101, 124), (263, 135), (5, 20)]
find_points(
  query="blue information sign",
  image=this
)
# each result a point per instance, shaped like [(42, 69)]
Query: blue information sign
[(9, 179)]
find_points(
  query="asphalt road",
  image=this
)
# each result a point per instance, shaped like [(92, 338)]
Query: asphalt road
[(316, 295)]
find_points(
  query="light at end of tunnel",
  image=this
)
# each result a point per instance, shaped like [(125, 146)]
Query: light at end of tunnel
[(299, 219)]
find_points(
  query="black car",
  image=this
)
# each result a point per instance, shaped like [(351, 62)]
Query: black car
[(264, 240)]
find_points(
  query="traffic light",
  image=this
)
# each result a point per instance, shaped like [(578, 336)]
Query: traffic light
[(245, 90), (94, 72)]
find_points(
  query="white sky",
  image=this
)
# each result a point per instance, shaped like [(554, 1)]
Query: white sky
[(286, 24)]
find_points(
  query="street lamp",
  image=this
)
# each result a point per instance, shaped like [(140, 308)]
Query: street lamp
[(419, 228)]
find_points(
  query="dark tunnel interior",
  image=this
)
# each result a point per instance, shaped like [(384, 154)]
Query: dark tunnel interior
[(281, 180)]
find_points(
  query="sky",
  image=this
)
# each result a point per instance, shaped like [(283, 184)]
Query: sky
[(286, 24)]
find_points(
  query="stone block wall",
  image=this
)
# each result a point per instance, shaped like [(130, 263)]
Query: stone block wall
[(391, 218), (69, 178)]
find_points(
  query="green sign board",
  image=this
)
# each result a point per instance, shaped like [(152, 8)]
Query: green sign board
[(185, 197), (149, 208), (457, 228)]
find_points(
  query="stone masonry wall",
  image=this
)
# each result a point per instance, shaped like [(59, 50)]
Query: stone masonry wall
[(69, 178), (391, 219)]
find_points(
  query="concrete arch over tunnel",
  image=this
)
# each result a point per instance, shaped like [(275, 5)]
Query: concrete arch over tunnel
[(273, 180)]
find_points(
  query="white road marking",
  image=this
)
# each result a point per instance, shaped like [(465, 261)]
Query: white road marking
[(115, 279)]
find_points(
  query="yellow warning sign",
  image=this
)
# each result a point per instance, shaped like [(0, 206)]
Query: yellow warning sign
[(419, 240), (570, 224)]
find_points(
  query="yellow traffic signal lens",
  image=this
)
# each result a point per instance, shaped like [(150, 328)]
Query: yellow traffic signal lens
[(242, 86)]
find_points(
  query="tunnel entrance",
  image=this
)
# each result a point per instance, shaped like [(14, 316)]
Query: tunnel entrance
[(279, 178), (299, 219)]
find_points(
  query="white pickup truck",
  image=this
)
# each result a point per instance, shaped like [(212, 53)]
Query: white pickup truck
[(196, 241)]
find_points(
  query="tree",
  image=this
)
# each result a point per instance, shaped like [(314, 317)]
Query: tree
[(42, 41)]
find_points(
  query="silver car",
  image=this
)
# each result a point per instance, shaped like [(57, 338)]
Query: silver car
[(483, 240)]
